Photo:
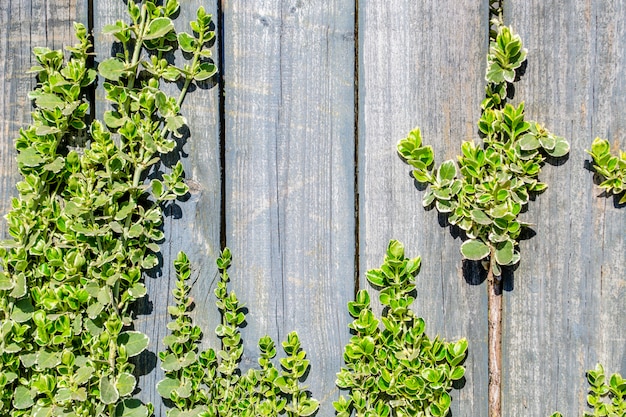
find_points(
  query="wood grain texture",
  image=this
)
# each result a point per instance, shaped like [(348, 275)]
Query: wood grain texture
[(289, 142), (289, 90), (24, 25), (193, 225), (567, 310), (422, 64)]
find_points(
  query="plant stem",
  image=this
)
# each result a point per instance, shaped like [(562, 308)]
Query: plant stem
[(494, 322)]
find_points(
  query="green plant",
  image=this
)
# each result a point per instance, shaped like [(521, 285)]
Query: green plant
[(611, 168), (210, 383), (85, 226), (485, 195), (396, 370), (606, 399)]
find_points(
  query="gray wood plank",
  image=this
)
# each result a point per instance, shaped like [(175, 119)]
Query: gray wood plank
[(192, 225), (422, 64), (567, 310), (20, 32), (289, 90)]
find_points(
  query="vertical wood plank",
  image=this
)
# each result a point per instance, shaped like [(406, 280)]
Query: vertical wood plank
[(193, 225), (567, 310), (422, 64), (289, 89), (20, 32)]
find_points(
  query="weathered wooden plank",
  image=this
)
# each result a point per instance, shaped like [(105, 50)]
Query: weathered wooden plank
[(192, 225), (422, 64), (567, 310), (289, 89), (20, 32)]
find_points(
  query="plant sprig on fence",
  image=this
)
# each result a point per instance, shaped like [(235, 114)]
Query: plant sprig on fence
[(611, 168), (210, 383), (493, 182), (85, 226), (396, 369), (485, 190), (607, 398)]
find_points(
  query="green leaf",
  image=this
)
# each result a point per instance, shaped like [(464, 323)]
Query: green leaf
[(170, 363), (158, 28), (166, 386), (48, 360), (529, 142), (114, 28), (134, 341), (206, 71), (56, 165), (131, 407), (5, 282), (186, 42), (112, 69), (30, 157), (395, 250), (600, 147), (22, 311), (20, 289), (447, 171), (125, 384), (474, 250), (561, 148), (457, 373), (480, 217), (22, 398), (49, 101), (308, 407), (108, 392), (83, 375), (113, 119), (504, 252), (375, 277), (547, 141)]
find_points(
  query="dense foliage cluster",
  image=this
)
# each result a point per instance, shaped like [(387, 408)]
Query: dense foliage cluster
[(396, 369), (493, 182), (85, 226), (210, 383)]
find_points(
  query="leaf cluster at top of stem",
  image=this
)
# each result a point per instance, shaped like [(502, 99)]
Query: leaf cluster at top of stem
[(396, 369), (611, 168), (210, 383), (485, 190)]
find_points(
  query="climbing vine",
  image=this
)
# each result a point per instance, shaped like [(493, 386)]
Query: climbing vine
[(210, 383), (85, 224), (485, 190)]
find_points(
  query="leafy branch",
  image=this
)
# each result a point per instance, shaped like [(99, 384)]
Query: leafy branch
[(210, 383), (396, 370), (85, 226), (611, 168), (484, 192)]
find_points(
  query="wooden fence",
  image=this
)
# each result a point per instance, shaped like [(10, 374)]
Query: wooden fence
[(315, 96)]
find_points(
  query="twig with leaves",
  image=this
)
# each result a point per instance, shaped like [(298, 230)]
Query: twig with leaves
[(210, 383), (483, 193)]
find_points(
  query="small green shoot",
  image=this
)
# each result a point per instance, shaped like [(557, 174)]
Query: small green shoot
[(210, 383), (392, 368)]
